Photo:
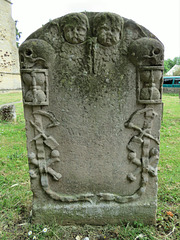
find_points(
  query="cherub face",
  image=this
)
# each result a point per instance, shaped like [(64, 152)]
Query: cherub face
[(108, 35), (75, 33)]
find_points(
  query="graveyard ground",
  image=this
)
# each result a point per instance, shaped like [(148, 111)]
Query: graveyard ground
[(16, 196)]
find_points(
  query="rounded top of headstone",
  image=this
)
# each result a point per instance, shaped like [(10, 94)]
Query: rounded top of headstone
[(106, 28)]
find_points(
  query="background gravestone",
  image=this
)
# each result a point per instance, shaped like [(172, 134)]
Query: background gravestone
[(8, 113), (92, 89)]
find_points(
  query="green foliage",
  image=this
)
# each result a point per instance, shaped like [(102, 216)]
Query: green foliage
[(18, 34), (16, 197), (176, 60), (169, 63), (177, 72)]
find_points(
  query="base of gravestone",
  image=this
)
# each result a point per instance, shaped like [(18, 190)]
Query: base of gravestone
[(101, 214)]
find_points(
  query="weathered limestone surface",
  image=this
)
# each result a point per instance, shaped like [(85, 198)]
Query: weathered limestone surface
[(92, 89)]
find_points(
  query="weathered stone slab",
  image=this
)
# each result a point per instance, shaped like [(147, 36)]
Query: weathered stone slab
[(8, 113), (92, 90)]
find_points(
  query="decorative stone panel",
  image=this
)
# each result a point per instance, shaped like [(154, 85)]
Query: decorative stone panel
[(92, 89)]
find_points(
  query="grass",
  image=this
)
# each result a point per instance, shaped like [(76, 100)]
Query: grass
[(170, 151), (16, 197), (10, 97)]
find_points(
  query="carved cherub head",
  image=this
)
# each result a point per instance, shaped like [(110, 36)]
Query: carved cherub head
[(107, 28), (75, 27)]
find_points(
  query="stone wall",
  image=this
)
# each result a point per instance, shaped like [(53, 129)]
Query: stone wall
[(171, 90), (9, 61)]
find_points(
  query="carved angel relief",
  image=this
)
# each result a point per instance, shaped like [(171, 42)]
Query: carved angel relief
[(73, 51), (107, 30), (93, 54)]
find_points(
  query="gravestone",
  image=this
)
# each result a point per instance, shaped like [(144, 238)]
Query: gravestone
[(92, 91), (8, 113)]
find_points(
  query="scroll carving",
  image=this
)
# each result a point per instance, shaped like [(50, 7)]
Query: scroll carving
[(46, 169), (148, 159), (42, 163)]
